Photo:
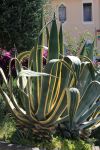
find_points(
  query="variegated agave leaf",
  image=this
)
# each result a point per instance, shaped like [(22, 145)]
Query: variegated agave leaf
[(87, 74), (41, 105)]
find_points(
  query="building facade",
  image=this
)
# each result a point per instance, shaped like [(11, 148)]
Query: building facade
[(78, 17)]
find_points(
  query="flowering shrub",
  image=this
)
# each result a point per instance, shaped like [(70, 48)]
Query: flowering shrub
[(6, 56)]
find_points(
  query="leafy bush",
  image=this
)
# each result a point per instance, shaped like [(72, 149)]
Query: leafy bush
[(2, 109), (7, 127), (56, 142), (75, 145), (19, 23), (6, 56), (26, 138)]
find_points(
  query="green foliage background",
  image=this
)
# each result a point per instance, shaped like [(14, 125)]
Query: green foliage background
[(19, 23)]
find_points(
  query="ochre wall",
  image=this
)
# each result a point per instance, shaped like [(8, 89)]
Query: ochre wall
[(74, 23)]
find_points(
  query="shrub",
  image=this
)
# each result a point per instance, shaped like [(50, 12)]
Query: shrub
[(7, 127), (56, 142), (6, 56), (19, 23), (2, 109)]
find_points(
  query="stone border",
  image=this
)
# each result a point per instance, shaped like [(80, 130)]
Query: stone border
[(7, 146)]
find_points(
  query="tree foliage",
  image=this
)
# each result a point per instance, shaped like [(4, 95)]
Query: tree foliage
[(19, 23)]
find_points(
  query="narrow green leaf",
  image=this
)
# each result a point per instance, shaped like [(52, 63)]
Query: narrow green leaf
[(87, 74), (53, 52), (88, 113), (74, 102), (61, 44), (60, 107), (91, 94), (23, 55), (89, 124), (74, 63), (48, 35)]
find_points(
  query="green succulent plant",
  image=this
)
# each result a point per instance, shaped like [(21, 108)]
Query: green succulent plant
[(64, 90), (84, 102), (88, 50)]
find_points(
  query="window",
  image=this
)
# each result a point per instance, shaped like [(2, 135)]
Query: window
[(87, 12), (62, 13)]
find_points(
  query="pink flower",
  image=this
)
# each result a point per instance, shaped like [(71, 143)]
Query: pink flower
[(7, 54), (45, 52)]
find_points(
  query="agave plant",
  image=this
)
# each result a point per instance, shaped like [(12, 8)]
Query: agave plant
[(84, 100), (54, 93), (39, 104), (83, 112), (86, 49)]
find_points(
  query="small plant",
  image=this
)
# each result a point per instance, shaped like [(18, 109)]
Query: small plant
[(2, 109), (85, 46), (7, 128), (56, 142)]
